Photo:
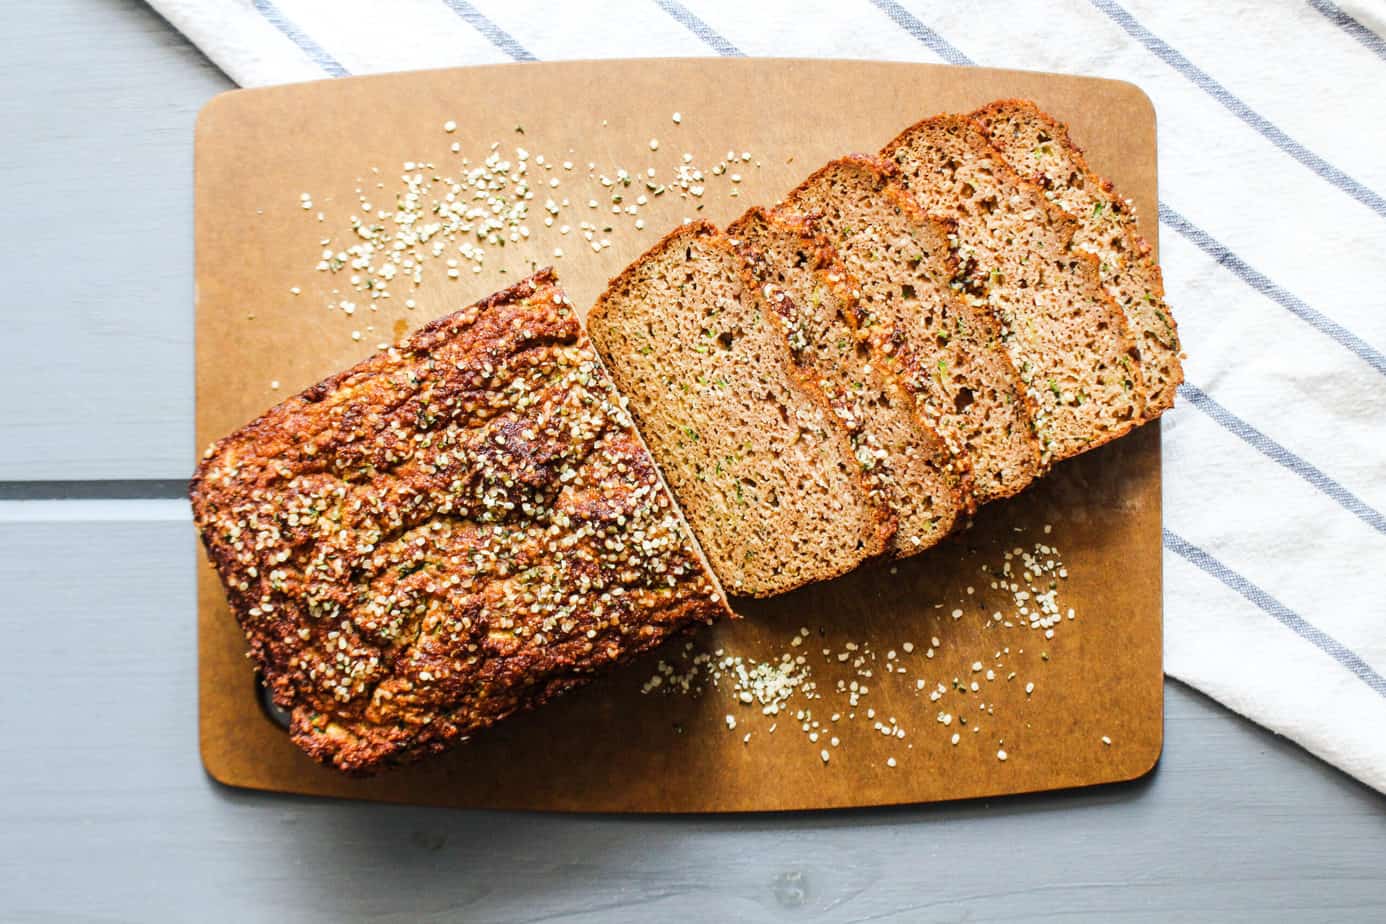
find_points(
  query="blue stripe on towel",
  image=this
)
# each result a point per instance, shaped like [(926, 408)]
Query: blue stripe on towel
[(709, 36), (493, 33), (1279, 454), (1175, 59), (1283, 614), (926, 36), (1351, 26), (1290, 302), (305, 43)]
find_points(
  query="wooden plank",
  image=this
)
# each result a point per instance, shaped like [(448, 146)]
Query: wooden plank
[(98, 101), (271, 161), (107, 814)]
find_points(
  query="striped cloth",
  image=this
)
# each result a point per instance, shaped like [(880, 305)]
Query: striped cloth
[(1274, 229)]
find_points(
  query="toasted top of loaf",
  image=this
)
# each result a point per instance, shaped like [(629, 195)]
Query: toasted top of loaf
[(1038, 147), (456, 528), (1065, 334), (755, 455), (946, 351), (905, 461)]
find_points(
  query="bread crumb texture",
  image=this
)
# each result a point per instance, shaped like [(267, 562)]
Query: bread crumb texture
[(946, 351), (1038, 147), (905, 461), (1066, 336), (763, 468)]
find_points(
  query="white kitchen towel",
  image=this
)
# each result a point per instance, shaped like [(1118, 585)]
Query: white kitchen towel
[(1272, 119)]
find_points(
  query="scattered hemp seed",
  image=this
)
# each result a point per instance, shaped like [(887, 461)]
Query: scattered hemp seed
[(787, 684)]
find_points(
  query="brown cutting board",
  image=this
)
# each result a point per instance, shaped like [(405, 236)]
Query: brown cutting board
[(1094, 713)]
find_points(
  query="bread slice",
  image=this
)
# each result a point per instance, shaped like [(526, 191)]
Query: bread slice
[(458, 528), (905, 461), (947, 353), (1038, 147), (753, 452), (1066, 335)]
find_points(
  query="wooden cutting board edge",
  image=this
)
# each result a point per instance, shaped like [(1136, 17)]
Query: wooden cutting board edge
[(228, 737)]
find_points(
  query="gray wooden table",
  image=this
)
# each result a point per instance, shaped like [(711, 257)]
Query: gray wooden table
[(105, 813)]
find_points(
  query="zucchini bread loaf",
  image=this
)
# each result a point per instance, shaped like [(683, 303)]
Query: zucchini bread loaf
[(459, 527), (751, 448), (1038, 147)]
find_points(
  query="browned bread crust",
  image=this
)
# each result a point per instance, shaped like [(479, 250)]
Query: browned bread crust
[(1038, 147), (453, 530)]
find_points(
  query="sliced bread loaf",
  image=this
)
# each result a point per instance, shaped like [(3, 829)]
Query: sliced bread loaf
[(905, 461), (947, 353), (1065, 334), (753, 452), (1038, 147)]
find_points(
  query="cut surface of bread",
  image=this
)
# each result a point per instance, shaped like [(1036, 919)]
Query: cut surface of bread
[(1039, 148), (753, 452), (906, 462), (460, 527), (946, 352), (1065, 334)]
